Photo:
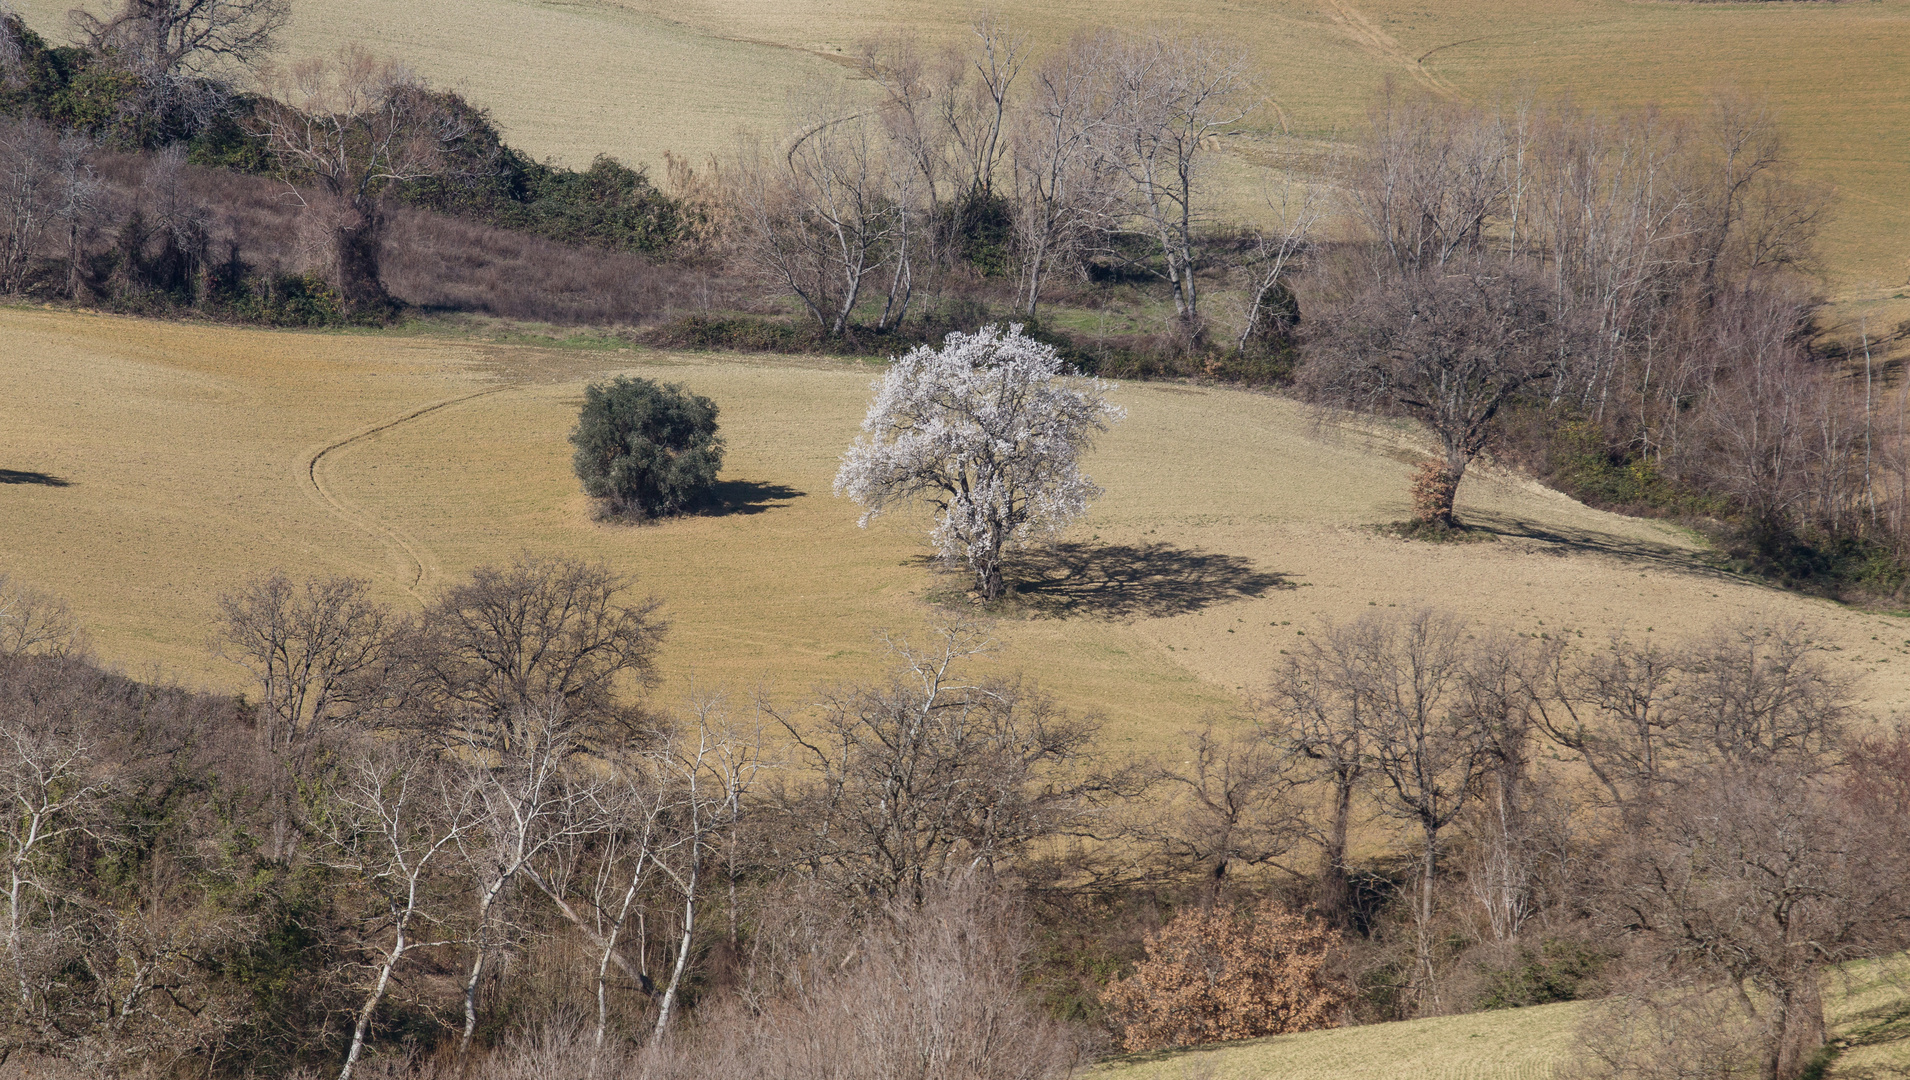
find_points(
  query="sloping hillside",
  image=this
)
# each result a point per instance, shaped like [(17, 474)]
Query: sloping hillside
[(638, 77), (1867, 1004), (176, 459)]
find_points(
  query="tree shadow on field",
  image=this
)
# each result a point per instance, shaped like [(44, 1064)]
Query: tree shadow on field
[(1567, 541), (21, 476), (1128, 580), (726, 497)]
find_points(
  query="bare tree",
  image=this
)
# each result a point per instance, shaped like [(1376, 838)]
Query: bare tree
[(1172, 94), (1231, 803), (352, 125), (524, 799), (1432, 174), (308, 647), (1754, 879), (976, 120), (1764, 694), (944, 119), (1645, 718), (1064, 194), (1427, 752), (78, 207), (1321, 701), (51, 785), (183, 57), (917, 158), (930, 773), (712, 766), (28, 179), (1275, 253), (635, 806), (35, 623), (174, 38), (391, 816), (497, 654), (1755, 439), (1452, 347), (932, 988), (819, 216)]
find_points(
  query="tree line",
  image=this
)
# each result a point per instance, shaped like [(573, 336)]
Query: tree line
[(468, 837), (1622, 302)]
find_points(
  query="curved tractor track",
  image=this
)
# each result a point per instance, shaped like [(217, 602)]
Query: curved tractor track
[(407, 551)]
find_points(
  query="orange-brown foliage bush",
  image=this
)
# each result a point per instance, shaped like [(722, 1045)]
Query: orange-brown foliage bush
[(1212, 975), (1433, 488)]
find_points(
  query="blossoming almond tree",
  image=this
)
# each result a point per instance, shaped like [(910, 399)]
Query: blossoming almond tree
[(988, 429)]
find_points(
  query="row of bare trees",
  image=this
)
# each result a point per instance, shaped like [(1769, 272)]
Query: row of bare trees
[(1708, 814), (442, 820), (1642, 276), (452, 809), (1099, 151)]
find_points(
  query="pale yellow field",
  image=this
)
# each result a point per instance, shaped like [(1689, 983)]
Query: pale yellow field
[(198, 455), (1863, 1003)]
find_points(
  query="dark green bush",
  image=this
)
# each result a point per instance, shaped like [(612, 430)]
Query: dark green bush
[(608, 205), (647, 449), (1558, 970)]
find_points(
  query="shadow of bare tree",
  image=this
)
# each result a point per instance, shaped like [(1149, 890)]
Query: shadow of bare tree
[(19, 476), (1567, 541), (726, 497), (1127, 580)]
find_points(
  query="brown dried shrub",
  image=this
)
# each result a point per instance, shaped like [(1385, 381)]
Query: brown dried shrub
[(1433, 489), (1212, 975)]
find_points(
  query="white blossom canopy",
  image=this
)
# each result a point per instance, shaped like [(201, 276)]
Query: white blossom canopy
[(988, 429)]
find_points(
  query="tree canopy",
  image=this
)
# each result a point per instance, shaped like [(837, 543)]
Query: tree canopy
[(988, 429), (647, 449)]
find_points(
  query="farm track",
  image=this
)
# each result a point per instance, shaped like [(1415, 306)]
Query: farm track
[(412, 554), (1369, 34)]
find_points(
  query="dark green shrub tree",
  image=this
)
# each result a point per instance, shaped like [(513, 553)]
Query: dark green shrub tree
[(646, 448)]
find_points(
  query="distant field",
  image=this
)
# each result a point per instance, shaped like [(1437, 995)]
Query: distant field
[(191, 456), (1864, 1003), (637, 77)]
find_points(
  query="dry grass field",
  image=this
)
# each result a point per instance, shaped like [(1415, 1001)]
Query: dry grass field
[(182, 458), (1864, 1004), (637, 77)]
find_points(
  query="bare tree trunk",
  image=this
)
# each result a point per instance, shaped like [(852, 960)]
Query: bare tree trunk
[(358, 248), (477, 964), (1423, 931), (1799, 1019), (370, 1007), (1335, 894), (682, 955)]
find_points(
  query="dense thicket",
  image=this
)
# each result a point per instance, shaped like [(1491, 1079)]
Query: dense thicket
[(349, 142)]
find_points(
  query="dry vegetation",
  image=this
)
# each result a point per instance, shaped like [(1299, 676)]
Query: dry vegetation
[(1861, 1002)]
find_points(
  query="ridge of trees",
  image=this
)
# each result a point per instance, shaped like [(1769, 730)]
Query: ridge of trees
[(471, 831)]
